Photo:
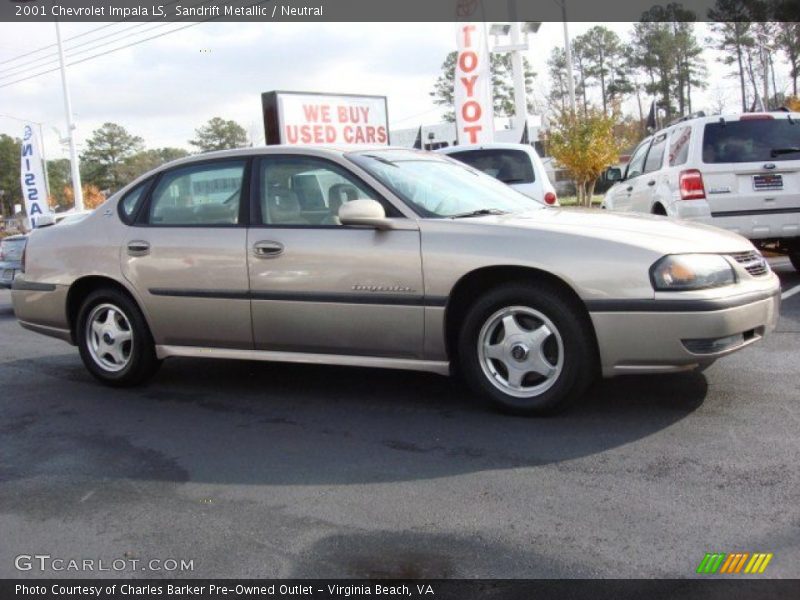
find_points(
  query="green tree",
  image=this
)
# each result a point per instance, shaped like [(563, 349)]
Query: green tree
[(219, 134), (147, 160), (601, 51), (443, 93), (732, 36), (584, 144), (60, 179), (106, 151), (9, 173), (559, 82), (788, 38)]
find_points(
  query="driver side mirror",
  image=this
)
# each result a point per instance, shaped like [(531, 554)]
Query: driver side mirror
[(364, 213), (613, 174), (44, 220)]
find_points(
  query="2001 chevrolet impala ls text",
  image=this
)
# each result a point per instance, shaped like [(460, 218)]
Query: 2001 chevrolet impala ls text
[(387, 258)]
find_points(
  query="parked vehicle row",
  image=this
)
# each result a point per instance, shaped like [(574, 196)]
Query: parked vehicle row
[(388, 258), (740, 172)]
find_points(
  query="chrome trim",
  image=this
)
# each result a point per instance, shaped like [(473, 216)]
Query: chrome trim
[(430, 366)]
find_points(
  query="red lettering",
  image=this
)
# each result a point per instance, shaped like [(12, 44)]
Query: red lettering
[(468, 29), (382, 137), (462, 61), (471, 111), (291, 134), (473, 130), (311, 112), (470, 85)]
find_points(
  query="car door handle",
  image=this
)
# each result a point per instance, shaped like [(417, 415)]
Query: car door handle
[(629, 188), (267, 249), (138, 248), (651, 183)]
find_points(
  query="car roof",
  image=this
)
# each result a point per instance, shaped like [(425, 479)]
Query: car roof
[(487, 146), (732, 117)]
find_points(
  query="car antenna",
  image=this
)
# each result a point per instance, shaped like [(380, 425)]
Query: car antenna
[(722, 120)]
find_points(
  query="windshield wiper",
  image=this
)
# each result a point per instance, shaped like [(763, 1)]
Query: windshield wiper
[(778, 151), (480, 213)]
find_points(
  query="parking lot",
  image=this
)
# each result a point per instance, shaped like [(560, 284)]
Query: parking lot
[(272, 470)]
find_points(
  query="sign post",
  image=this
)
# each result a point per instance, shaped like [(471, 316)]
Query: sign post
[(325, 119)]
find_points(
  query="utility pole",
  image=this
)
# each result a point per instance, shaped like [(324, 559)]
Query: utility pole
[(518, 69), (73, 153), (568, 56)]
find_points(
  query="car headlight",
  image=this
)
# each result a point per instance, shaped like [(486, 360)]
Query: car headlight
[(679, 272)]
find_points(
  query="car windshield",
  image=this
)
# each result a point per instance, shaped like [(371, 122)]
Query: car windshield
[(439, 187)]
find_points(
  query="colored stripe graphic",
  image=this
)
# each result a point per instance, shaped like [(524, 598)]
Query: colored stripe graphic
[(720, 562)]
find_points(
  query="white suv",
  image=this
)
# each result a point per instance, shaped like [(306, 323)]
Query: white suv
[(517, 165), (740, 172)]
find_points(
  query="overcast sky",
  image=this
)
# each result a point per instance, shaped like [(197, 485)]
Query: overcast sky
[(163, 89)]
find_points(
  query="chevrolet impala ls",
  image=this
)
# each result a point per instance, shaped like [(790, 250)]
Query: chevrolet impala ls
[(387, 258)]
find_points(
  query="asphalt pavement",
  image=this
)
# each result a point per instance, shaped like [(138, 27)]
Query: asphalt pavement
[(270, 470)]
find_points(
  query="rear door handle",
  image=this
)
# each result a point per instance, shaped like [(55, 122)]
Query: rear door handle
[(653, 182), (629, 188), (138, 248), (267, 249)]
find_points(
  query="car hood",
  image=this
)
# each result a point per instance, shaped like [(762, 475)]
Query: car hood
[(659, 234)]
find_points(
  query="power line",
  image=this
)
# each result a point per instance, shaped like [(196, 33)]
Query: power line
[(107, 52), (53, 58), (8, 60)]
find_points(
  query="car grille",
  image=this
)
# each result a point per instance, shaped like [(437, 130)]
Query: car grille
[(752, 261)]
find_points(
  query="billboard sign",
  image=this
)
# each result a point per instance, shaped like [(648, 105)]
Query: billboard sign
[(473, 86), (34, 189), (311, 119)]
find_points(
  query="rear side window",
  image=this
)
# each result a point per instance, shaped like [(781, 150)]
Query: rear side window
[(130, 203), (655, 158), (679, 146), (509, 166), (201, 195), (755, 140)]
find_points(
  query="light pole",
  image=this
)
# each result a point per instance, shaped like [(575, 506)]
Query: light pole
[(73, 154), (567, 54)]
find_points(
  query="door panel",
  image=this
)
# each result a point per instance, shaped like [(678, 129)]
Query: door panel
[(187, 257), (193, 283), (338, 290)]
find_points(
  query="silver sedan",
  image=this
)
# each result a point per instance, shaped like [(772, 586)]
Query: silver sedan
[(388, 258)]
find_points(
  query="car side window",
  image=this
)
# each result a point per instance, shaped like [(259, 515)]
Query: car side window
[(129, 205), (636, 164), (307, 191), (679, 146), (655, 157), (207, 194)]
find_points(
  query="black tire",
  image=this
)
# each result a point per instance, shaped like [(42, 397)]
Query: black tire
[(142, 362), (578, 366)]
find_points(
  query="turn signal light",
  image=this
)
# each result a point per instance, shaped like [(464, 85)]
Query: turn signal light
[(691, 185), (550, 198)]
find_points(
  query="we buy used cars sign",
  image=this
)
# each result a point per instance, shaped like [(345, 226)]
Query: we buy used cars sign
[(325, 119)]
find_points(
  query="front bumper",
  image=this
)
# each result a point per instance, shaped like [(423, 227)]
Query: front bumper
[(659, 340)]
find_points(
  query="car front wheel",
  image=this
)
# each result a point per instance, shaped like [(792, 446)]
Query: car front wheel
[(527, 348), (114, 341)]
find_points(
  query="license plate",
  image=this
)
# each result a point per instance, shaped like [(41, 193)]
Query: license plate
[(768, 182)]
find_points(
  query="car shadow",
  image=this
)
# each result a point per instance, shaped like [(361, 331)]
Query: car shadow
[(226, 422)]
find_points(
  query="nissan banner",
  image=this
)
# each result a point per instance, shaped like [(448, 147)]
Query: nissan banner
[(34, 190), (473, 86)]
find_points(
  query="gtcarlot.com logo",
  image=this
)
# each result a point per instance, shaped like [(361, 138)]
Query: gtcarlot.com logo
[(46, 562), (743, 563)]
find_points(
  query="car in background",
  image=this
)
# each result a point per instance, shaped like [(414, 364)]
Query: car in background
[(517, 165), (12, 248), (422, 263), (740, 172)]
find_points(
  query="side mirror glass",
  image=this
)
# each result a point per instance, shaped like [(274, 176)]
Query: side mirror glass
[(364, 213), (613, 174), (45, 220)]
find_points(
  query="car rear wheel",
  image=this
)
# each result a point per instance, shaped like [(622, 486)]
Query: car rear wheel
[(527, 349), (114, 341)]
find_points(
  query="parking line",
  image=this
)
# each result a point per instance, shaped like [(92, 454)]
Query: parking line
[(790, 292)]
